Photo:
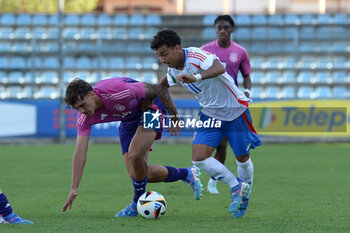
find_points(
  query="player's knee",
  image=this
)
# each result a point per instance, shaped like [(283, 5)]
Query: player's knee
[(243, 158)]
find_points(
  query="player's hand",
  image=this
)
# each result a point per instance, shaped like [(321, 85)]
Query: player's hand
[(72, 195), (175, 128), (185, 79)]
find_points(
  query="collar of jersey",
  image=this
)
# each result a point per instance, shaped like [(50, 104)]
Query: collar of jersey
[(185, 53)]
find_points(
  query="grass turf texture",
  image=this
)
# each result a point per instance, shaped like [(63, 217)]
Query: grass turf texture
[(297, 188)]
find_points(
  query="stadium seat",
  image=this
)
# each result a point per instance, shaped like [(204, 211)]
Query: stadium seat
[(242, 33), (273, 92), (149, 77), (242, 20), (15, 77), (307, 33), (259, 33), (208, 20), (4, 62), (22, 33), (7, 19), (52, 47), (324, 47), (340, 77), (292, 19), (306, 77), (259, 19), (290, 33), (87, 76), (18, 63), (306, 47), (288, 77), (324, 63), (114, 74), (47, 92), (275, 33), (307, 19), (323, 77), (134, 47), (5, 47), (340, 32), (136, 20), (71, 19), (274, 62), (306, 62), (3, 78), (39, 33), (133, 63), (274, 47), (323, 92), (88, 20), (258, 77), (6, 33), (51, 63), (341, 19), (324, 33), (288, 92), (23, 19), (68, 76), (116, 63), (120, 19), (305, 92), (87, 33), (71, 33), (134, 75), (104, 20), (53, 19), (70, 46), (257, 92), (272, 77), (275, 19), (209, 33), (153, 20), (52, 33), (103, 63), (39, 20), (324, 19), (120, 33), (340, 62), (150, 63), (258, 48), (87, 47), (83, 63), (289, 47), (340, 46), (27, 92), (3, 92), (104, 33), (47, 77), (149, 32), (14, 92), (69, 63), (340, 92), (136, 33), (20, 47), (37, 62)]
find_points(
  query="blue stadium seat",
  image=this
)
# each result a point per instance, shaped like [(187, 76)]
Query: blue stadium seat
[(257, 62), (27, 92), (133, 63), (259, 19), (23, 19), (18, 63), (51, 63), (340, 32), (52, 47), (39, 20), (88, 20), (324, 47), (340, 77), (52, 33), (47, 77), (275, 33), (290, 33), (69, 63), (273, 92), (14, 92), (133, 74), (104, 20), (72, 19), (340, 92), (68, 76), (305, 92), (6, 33), (134, 47), (242, 20), (47, 92), (242, 33), (306, 47), (324, 33), (258, 77), (257, 92), (340, 62), (324, 19), (324, 63), (71, 33), (341, 19), (276, 19), (323, 92), (209, 33), (104, 33), (3, 78), (120, 33), (3, 92), (340, 46), (136, 20), (87, 76), (292, 19), (208, 20), (114, 74), (4, 62), (306, 62), (153, 20), (52, 19), (288, 77), (272, 77), (150, 63), (116, 63), (84, 63), (307, 33), (37, 62), (120, 19), (87, 33), (259, 33), (275, 47), (307, 19), (136, 33), (306, 77), (274, 62), (258, 48), (7, 19), (149, 77), (87, 47), (323, 77), (150, 32), (288, 92), (70, 46), (22, 33), (103, 63), (39, 33), (120, 47), (15, 77), (5, 46)]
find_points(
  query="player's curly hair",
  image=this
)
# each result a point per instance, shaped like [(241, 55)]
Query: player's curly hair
[(227, 18), (76, 89), (166, 37)]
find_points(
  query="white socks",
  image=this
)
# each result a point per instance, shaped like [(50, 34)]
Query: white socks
[(245, 170), (216, 169)]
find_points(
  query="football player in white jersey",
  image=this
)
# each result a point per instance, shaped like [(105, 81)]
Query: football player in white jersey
[(203, 74)]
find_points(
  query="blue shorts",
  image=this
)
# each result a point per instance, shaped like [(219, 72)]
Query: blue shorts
[(127, 129), (240, 133)]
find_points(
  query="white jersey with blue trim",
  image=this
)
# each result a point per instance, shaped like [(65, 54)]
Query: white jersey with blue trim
[(219, 97)]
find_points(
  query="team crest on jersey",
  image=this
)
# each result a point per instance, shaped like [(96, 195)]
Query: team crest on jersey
[(119, 107), (233, 57)]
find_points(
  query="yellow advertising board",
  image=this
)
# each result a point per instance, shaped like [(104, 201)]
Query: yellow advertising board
[(302, 118)]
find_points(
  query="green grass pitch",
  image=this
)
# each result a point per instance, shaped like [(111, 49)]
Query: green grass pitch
[(297, 188)]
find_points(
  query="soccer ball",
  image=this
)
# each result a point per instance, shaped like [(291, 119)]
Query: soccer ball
[(151, 205)]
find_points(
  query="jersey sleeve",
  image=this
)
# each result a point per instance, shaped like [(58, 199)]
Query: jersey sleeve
[(83, 126), (201, 58), (245, 64), (171, 78)]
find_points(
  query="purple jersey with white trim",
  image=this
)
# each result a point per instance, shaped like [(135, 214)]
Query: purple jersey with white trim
[(235, 57), (121, 98)]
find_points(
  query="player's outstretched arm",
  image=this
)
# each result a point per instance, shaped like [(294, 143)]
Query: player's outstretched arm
[(162, 92), (78, 163)]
